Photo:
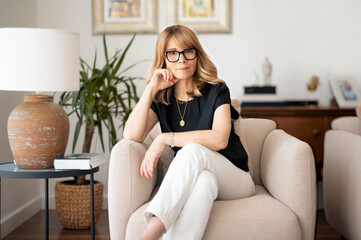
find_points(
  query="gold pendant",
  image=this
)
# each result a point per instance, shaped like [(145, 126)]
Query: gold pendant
[(182, 123)]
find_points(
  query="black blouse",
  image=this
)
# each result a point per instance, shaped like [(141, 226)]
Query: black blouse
[(199, 116)]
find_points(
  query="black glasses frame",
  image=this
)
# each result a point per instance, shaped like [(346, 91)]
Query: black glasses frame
[(182, 52)]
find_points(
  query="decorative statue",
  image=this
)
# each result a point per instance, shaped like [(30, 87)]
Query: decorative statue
[(267, 72), (312, 87), (313, 83)]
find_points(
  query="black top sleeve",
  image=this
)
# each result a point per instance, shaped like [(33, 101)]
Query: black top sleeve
[(223, 96)]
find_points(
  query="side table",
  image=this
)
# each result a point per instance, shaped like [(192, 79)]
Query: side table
[(9, 170)]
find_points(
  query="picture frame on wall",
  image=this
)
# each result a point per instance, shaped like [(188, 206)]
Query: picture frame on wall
[(124, 16), (203, 16), (346, 91)]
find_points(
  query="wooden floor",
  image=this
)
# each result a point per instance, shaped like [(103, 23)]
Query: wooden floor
[(34, 229), (323, 230)]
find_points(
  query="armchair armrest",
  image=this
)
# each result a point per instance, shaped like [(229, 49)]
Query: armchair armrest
[(288, 173), (341, 179), (127, 191)]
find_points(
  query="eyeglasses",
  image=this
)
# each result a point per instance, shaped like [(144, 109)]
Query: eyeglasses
[(189, 54)]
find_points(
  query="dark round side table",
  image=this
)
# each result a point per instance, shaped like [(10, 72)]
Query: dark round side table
[(9, 170)]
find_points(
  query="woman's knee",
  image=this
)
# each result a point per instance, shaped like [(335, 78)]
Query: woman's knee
[(191, 154), (192, 150), (206, 181)]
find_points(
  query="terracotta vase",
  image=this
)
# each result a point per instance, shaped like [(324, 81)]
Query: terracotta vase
[(38, 132)]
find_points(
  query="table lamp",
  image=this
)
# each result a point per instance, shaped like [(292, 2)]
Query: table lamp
[(40, 60)]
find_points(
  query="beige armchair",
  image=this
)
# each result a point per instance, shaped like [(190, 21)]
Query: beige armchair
[(341, 176), (283, 207)]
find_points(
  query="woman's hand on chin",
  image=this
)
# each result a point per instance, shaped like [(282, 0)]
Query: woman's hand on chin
[(162, 79)]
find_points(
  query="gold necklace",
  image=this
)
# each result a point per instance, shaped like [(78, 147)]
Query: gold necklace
[(182, 122)]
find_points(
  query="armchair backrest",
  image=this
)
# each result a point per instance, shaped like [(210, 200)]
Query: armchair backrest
[(348, 123), (255, 131)]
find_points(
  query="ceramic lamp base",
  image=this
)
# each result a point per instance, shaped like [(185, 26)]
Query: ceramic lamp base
[(38, 132)]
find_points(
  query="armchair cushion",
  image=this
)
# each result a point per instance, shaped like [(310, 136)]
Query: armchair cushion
[(240, 219)]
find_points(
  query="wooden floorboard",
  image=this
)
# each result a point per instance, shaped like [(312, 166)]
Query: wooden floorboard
[(323, 230), (34, 229)]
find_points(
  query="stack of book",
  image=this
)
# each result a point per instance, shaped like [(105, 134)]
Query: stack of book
[(260, 96), (81, 161), (266, 96)]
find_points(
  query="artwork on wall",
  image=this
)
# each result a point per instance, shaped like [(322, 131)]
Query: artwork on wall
[(203, 16), (124, 16), (346, 91)]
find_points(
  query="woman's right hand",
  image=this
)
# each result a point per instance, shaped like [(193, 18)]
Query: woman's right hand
[(162, 79)]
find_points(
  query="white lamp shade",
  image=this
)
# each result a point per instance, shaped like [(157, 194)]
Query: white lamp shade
[(33, 59)]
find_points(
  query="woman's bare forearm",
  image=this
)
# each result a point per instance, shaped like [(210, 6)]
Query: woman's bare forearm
[(142, 119), (212, 139), (136, 125)]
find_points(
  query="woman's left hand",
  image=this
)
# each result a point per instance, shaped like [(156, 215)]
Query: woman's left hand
[(151, 157)]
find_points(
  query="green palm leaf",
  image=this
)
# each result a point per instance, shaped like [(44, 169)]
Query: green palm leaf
[(105, 93)]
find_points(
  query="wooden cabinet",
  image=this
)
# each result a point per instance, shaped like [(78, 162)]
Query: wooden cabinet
[(308, 124)]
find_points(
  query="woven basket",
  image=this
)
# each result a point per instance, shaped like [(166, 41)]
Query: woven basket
[(73, 203)]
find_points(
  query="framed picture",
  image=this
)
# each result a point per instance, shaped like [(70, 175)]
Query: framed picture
[(203, 16), (124, 16), (346, 91)]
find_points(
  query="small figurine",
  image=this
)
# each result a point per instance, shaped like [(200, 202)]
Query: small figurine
[(313, 83)]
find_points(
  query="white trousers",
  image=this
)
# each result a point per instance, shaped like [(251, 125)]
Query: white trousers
[(195, 178)]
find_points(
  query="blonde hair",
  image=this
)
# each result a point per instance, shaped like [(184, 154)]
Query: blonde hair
[(206, 71)]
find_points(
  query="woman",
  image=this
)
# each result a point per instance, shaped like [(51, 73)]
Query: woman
[(193, 107)]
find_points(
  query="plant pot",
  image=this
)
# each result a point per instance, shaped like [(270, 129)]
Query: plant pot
[(73, 203)]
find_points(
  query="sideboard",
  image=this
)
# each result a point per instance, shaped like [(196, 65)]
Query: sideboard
[(307, 123)]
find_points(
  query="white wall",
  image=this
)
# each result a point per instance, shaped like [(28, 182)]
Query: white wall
[(20, 198), (301, 38)]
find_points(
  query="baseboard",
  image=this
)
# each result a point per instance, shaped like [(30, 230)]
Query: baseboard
[(19, 216), (52, 202)]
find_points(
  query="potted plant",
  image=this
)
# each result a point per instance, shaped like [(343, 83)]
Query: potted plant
[(105, 94)]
